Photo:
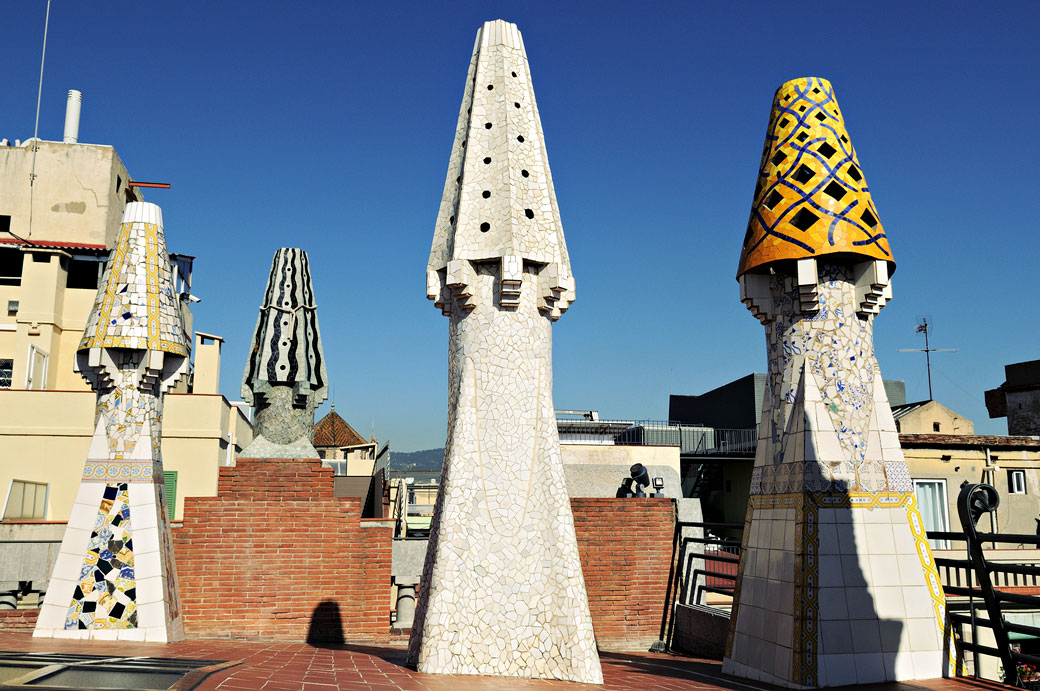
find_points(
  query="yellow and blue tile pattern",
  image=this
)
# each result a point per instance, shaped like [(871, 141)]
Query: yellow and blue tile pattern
[(811, 198), (136, 307)]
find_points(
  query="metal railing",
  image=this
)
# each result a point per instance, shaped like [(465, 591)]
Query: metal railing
[(695, 440), (983, 575)]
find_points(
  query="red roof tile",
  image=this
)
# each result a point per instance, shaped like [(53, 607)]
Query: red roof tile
[(332, 430)]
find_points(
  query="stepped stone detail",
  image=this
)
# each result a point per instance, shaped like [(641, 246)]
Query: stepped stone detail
[(502, 588), (837, 584), (114, 577), (285, 377)]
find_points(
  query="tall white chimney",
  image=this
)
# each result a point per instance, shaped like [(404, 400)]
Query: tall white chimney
[(72, 107)]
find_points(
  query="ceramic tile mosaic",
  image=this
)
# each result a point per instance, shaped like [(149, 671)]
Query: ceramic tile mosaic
[(135, 306), (110, 581), (502, 590), (499, 202), (105, 596), (285, 375), (811, 198), (836, 583)]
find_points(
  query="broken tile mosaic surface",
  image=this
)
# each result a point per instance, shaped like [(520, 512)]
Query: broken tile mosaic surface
[(285, 378), (133, 350), (811, 198), (503, 592), (105, 595)]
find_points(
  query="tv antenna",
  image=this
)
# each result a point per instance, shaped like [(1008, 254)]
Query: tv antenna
[(923, 327)]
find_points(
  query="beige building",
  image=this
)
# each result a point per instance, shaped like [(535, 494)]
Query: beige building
[(930, 417), (54, 241), (940, 463)]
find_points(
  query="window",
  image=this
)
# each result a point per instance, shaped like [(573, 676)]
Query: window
[(26, 501), (1016, 482), (931, 500), (10, 267), (83, 274), (6, 370), (935, 426), (36, 374)]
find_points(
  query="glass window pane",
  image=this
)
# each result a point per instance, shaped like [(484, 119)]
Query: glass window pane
[(40, 508), (28, 498), (14, 500)]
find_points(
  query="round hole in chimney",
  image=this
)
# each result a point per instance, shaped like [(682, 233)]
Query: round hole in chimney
[(486, 194), (491, 87), (485, 227), (487, 125), (520, 138), (528, 213), (524, 173), (514, 74), (516, 104), (487, 160)]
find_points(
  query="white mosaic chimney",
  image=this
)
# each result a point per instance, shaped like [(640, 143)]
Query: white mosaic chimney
[(502, 591)]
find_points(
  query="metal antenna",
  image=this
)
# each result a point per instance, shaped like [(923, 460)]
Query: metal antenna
[(927, 350)]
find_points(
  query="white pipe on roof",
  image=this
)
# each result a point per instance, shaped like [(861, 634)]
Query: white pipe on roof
[(72, 109)]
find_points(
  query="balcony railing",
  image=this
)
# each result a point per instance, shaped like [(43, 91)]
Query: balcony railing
[(695, 440)]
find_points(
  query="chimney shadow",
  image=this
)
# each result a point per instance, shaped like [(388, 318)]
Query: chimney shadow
[(326, 627)]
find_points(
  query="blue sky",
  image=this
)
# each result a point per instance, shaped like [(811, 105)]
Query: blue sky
[(327, 126)]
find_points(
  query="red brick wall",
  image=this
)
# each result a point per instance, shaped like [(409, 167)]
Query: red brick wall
[(18, 619), (274, 555), (626, 552)]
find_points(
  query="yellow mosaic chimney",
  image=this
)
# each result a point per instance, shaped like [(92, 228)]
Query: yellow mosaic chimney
[(811, 198)]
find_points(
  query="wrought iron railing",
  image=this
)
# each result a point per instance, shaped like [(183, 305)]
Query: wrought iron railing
[(985, 581)]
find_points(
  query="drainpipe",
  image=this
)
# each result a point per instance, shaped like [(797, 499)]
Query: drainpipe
[(992, 472)]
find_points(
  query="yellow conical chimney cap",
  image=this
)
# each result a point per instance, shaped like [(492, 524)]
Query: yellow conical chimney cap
[(811, 198)]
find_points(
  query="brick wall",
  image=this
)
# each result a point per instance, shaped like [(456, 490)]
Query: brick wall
[(276, 556), (18, 619), (626, 552)]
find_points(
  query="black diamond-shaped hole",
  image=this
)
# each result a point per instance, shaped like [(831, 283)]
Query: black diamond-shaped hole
[(835, 190), (801, 109), (816, 90), (778, 158), (804, 219), (528, 213), (854, 173), (802, 136), (844, 139), (820, 116), (827, 150), (804, 174), (783, 122), (869, 219), (772, 199), (485, 227)]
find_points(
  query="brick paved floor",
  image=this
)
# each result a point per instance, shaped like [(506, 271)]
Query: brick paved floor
[(299, 667)]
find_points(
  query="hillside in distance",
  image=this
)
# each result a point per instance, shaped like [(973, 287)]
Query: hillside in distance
[(430, 459)]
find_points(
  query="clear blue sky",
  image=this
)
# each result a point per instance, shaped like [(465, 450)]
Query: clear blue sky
[(327, 126)]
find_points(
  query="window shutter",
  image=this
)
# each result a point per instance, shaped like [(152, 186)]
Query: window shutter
[(170, 487)]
